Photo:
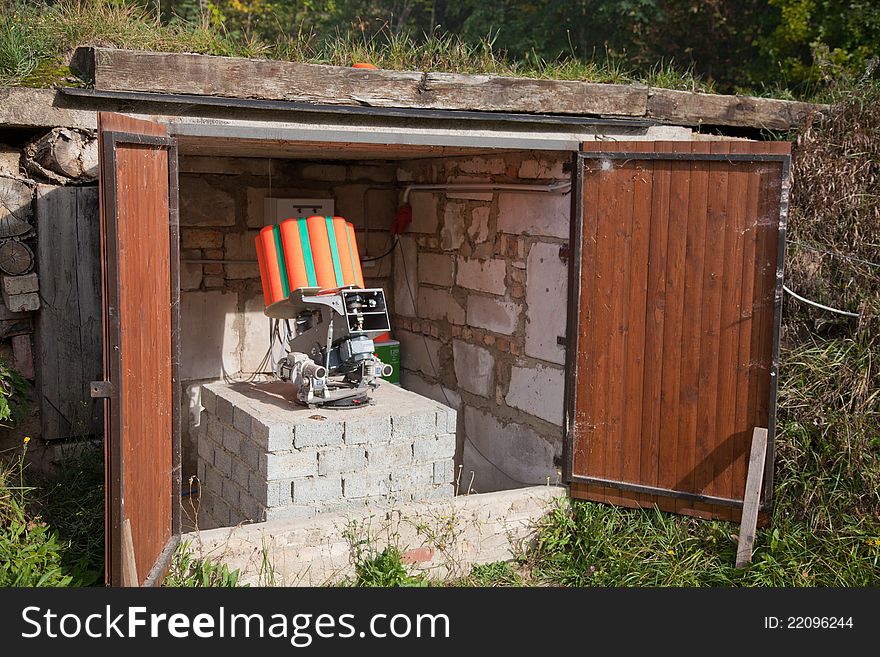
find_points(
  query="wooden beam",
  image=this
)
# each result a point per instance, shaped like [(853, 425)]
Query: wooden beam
[(204, 75), (689, 108), (752, 499)]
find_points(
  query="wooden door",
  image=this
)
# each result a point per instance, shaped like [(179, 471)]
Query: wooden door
[(139, 245), (674, 313)]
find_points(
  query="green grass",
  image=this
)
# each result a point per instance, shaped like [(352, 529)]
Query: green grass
[(189, 572), (36, 41)]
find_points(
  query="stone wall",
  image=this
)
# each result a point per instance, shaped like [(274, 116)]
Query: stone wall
[(224, 334), (480, 289), (264, 457)]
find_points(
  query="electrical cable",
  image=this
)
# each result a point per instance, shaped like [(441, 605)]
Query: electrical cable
[(387, 253), (446, 397), (819, 305)]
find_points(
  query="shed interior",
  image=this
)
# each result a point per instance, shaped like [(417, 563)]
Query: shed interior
[(476, 283)]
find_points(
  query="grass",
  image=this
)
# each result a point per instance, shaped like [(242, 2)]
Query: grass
[(36, 41)]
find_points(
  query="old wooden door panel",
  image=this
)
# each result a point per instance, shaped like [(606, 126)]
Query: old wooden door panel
[(674, 309), (139, 271)]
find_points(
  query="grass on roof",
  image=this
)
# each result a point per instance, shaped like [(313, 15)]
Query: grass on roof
[(37, 39)]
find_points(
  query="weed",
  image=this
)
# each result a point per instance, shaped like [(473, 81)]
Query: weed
[(385, 568), (187, 571)]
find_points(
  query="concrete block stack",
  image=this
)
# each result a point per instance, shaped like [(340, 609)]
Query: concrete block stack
[(263, 457)]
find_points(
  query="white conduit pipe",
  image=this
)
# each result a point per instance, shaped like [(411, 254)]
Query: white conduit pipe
[(819, 305), (559, 187)]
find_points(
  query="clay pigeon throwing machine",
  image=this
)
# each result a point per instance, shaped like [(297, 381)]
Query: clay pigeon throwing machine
[(323, 316)]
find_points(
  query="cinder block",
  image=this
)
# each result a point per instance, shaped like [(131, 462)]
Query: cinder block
[(316, 489), (232, 440), (336, 460), (318, 433), (537, 390), (223, 461), (440, 304), (225, 411), (434, 449), (251, 509), (231, 492), (241, 420), (274, 493), (365, 484), (271, 436), (492, 314), (371, 430), (241, 473), (437, 269), (416, 476), (396, 455), (206, 450), (253, 456), (444, 471), (287, 465), (213, 481), (412, 425), (20, 284), (446, 420)]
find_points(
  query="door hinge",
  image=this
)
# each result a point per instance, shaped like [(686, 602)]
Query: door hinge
[(101, 389)]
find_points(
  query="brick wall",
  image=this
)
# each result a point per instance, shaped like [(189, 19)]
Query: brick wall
[(480, 305)]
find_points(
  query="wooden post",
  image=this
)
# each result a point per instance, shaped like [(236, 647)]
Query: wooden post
[(129, 566), (752, 499)]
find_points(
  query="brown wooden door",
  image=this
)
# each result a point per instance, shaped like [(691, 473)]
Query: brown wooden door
[(139, 244), (674, 311)]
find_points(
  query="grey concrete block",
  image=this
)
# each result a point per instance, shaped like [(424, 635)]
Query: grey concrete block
[(213, 481), (275, 493), (289, 465), (317, 433), (214, 429), (271, 436), (316, 489), (413, 425), (241, 420), (223, 461), (241, 473), (416, 476), (253, 456), (209, 400), (433, 449), (251, 509), (232, 440), (395, 455), (444, 491), (206, 449), (336, 460), (366, 484), (230, 492), (373, 431), (446, 420), (225, 411), (444, 471)]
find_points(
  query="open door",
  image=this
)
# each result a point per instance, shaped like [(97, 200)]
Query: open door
[(139, 243), (674, 314)]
